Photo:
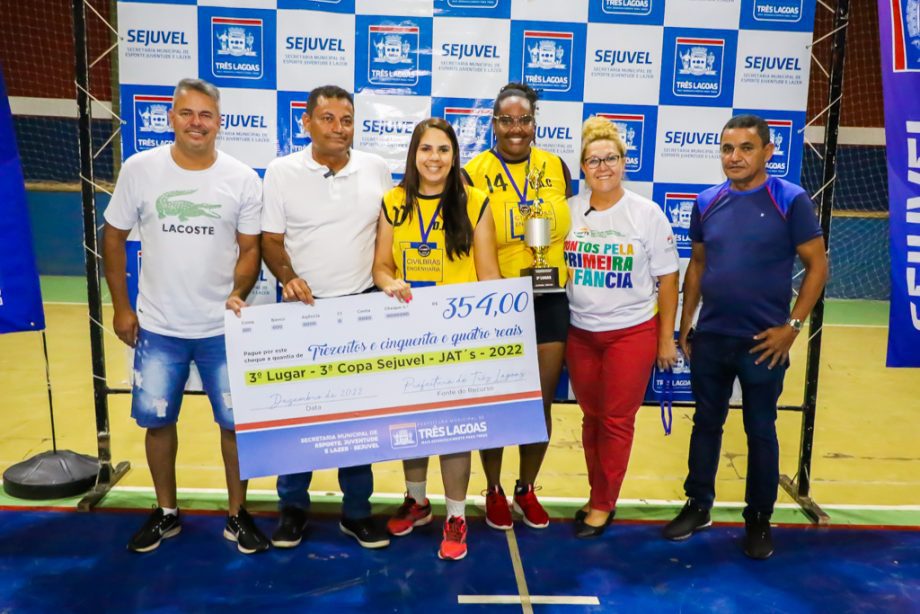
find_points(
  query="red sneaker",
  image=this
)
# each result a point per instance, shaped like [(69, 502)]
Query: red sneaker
[(498, 514), (453, 546), (409, 515), (526, 504)]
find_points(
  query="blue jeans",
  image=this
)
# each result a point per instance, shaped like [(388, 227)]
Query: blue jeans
[(161, 368), (357, 484), (717, 360)]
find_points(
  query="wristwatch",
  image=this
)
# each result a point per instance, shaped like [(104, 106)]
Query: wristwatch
[(795, 323)]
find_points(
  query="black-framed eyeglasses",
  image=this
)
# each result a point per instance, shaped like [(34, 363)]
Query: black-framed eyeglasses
[(594, 162), (506, 121)]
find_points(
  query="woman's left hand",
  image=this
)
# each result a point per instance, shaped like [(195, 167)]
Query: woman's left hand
[(667, 354)]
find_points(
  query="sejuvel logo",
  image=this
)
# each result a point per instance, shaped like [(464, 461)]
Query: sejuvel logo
[(393, 54), (237, 47), (764, 63), (548, 60), (632, 129), (781, 137), (151, 127), (698, 67), (782, 11), (462, 51), (388, 126), (614, 57), (243, 120), (306, 44), (683, 138), (147, 38)]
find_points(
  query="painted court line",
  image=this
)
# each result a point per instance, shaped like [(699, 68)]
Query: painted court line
[(534, 599), (523, 598), (519, 572), (479, 500)]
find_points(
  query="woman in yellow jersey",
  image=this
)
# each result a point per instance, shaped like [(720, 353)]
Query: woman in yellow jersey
[(434, 230), (503, 172)]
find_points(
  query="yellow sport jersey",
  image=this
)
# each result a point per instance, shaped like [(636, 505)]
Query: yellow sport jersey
[(419, 249), (486, 172)]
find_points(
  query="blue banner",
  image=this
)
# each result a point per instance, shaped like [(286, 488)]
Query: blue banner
[(900, 41), (20, 293)]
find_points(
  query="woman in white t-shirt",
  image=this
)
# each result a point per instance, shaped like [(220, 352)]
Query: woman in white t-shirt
[(622, 288)]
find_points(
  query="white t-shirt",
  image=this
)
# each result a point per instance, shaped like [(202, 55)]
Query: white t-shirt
[(615, 257), (188, 222), (329, 221)]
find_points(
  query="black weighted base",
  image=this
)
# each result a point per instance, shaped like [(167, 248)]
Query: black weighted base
[(51, 475)]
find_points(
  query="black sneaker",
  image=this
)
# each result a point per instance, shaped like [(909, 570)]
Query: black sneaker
[(365, 532), (690, 519), (242, 529), (159, 526), (291, 525), (758, 541)]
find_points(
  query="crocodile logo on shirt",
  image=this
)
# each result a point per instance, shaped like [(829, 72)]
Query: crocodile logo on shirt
[(184, 209)]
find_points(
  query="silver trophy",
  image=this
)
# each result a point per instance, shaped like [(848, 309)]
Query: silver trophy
[(538, 236)]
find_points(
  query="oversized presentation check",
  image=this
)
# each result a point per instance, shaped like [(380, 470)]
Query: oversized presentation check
[(365, 378)]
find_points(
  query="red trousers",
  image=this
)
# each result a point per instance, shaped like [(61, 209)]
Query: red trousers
[(609, 373)]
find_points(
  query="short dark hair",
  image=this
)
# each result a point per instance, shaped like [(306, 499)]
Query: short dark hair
[(198, 85), (516, 89), (750, 121), (327, 91)]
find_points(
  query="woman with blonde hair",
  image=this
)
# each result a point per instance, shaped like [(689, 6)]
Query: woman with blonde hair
[(622, 289)]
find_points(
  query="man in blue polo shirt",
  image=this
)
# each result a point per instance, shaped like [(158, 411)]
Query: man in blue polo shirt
[(746, 233)]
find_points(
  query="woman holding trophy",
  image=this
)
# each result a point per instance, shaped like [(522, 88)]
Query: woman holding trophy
[(527, 189), (622, 289), (434, 230)]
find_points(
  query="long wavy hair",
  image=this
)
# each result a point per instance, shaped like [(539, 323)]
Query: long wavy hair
[(458, 231)]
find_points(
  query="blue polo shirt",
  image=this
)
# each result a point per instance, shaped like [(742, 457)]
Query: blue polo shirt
[(750, 239)]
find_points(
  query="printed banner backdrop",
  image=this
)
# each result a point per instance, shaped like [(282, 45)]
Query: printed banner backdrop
[(670, 74), (20, 294), (899, 27)]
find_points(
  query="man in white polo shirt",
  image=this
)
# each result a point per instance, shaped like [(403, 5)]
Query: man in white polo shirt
[(319, 224)]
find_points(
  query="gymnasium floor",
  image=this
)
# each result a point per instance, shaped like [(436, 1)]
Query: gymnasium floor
[(865, 473)]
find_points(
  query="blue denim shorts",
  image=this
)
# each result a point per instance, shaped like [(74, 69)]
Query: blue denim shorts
[(161, 368)]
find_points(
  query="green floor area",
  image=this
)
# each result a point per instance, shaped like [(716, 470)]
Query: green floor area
[(58, 289), (383, 505)]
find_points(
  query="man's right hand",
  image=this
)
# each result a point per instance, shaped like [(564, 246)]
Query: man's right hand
[(126, 326), (297, 290), (684, 342)]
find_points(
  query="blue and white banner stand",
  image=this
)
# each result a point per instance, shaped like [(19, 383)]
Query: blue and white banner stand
[(20, 292), (899, 28)]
